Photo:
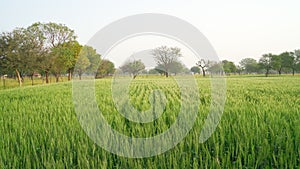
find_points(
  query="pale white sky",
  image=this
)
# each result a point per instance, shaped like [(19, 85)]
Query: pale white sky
[(236, 29)]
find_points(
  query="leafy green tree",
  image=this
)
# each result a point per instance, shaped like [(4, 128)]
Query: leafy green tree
[(153, 71), (229, 67), (133, 67), (289, 61), (277, 63), (52, 35), (165, 56), (70, 55), (265, 62), (19, 52), (88, 61), (160, 69), (249, 65), (195, 69), (296, 61), (105, 68), (82, 63), (94, 59), (59, 59)]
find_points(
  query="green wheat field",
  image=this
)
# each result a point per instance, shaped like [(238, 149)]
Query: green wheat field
[(260, 126)]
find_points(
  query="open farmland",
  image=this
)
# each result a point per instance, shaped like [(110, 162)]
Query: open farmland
[(260, 126)]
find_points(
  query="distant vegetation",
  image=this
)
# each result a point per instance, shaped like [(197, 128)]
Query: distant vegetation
[(45, 49)]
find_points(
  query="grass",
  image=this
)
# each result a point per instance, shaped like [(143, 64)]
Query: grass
[(9, 83), (260, 126)]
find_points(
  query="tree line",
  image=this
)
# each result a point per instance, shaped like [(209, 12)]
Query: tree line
[(167, 59), (51, 48), (286, 62), (47, 48)]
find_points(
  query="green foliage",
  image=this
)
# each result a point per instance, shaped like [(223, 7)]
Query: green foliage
[(265, 62), (249, 65), (259, 127), (195, 69), (105, 68), (133, 67), (229, 67)]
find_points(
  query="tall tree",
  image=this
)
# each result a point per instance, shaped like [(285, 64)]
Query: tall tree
[(165, 56), (19, 52), (266, 62), (53, 35), (134, 67), (69, 53)]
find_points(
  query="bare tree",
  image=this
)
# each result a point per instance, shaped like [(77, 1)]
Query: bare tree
[(166, 56), (203, 65)]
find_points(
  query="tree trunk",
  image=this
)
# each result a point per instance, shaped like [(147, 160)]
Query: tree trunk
[(203, 72), (279, 71), (32, 80), (79, 76), (167, 74), (19, 77), (47, 76), (293, 72), (56, 78), (69, 74), (267, 73)]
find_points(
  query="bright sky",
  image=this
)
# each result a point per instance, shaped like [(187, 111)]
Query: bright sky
[(236, 29)]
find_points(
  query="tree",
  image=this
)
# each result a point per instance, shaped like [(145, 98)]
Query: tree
[(70, 55), (19, 51), (277, 63), (160, 69), (229, 67), (176, 67), (94, 59), (250, 65), (266, 62), (166, 56), (289, 61), (53, 35), (215, 68), (105, 68), (82, 63), (239, 69), (88, 61), (134, 67), (203, 64), (296, 61), (153, 71), (59, 55), (195, 69)]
